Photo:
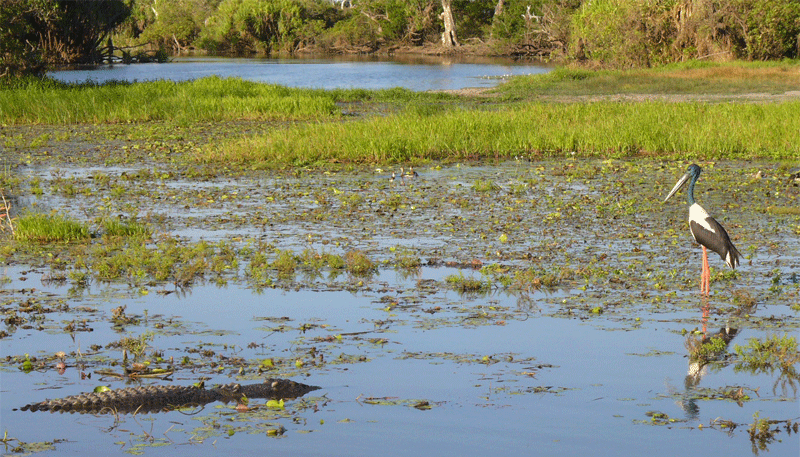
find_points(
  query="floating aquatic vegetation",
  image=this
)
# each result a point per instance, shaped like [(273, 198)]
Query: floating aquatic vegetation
[(774, 352), (764, 432)]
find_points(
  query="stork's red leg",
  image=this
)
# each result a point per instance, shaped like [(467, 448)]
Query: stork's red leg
[(705, 281), (702, 274)]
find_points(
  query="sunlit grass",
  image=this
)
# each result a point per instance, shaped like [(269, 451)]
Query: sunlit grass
[(117, 228), (36, 101), (600, 129), (694, 77), (205, 99), (44, 228)]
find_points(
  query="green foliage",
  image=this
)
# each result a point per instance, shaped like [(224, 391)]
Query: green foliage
[(624, 33), (19, 54), (406, 259), (38, 32), (261, 26), (357, 32), (371, 24), (546, 35), (706, 351), (768, 29), (764, 432), (285, 262), (506, 27), (484, 185), (357, 263), (136, 346), (475, 17), (463, 284), (774, 352), (611, 33), (166, 25)]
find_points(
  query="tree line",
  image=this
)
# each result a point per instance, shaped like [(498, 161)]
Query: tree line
[(36, 34)]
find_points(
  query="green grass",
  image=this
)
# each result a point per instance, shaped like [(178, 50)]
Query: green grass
[(415, 127), (117, 228), (36, 101), (693, 77), (43, 228), (599, 129), (206, 99)]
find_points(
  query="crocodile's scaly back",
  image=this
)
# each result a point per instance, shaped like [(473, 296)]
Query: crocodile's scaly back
[(167, 398)]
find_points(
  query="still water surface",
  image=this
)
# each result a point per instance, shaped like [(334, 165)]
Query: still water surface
[(533, 373), (505, 373), (321, 73)]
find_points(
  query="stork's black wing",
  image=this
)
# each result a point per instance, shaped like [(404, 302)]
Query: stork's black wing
[(716, 239)]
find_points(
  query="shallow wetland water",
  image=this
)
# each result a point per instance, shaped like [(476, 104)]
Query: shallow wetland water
[(518, 308)]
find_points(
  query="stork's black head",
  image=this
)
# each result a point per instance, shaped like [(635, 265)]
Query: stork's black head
[(691, 175)]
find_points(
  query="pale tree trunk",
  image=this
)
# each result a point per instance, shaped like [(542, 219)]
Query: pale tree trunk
[(449, 38), (498, 9)]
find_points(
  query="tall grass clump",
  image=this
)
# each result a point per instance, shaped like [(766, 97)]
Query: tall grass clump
[(599, 129), (206, 99), (118, 229), (44, 228)]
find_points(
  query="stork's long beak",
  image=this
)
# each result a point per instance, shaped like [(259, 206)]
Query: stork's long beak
[(678, 185)]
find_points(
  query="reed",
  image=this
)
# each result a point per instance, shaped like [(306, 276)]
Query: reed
[(599, 129)]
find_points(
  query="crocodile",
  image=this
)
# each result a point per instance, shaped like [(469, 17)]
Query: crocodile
[(159, 398)]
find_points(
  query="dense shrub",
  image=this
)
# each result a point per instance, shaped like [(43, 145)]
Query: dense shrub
[(768, 29), (538, 28), (174, 25), (634, 33), (36, 33), (375, 23), (264, 26), (623, 33)]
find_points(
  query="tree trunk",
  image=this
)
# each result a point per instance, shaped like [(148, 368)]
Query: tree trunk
[(498, 9), (449, 38)]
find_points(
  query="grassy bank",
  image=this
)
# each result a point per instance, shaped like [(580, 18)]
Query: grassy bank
[(206, 99), (398, 125), (602, 129), (689, 78)]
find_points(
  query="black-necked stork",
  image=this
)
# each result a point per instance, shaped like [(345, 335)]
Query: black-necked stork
[(706, 231)]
